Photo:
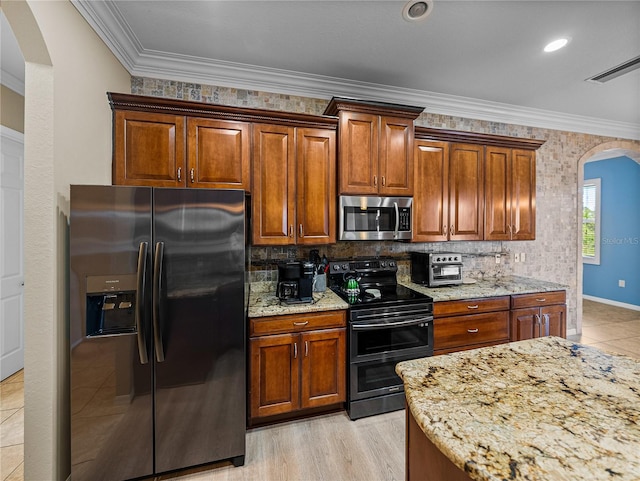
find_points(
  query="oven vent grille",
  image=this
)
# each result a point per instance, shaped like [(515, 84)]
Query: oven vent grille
[(616, 71)]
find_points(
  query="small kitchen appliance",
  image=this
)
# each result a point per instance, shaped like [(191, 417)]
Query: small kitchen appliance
[(388, 323), (375, 218), (436, 268), (295, 282)]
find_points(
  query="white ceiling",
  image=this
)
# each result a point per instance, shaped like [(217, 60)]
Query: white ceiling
[(476, 59)]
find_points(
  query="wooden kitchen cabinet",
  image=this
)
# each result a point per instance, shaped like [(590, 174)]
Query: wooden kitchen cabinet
[(218, 154), (293, 185), (375, 147), (537, 315), (162, 150), (510, 194), (466, 192), (149, 149), (302, 369), (470, 323), (449, 193), (431, 191)]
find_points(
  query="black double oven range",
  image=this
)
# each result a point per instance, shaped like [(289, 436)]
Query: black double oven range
[(387, 323)]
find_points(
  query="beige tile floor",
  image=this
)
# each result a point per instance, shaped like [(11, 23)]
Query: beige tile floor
[(370, 449)]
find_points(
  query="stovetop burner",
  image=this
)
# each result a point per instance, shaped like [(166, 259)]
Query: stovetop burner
[(377, 281)]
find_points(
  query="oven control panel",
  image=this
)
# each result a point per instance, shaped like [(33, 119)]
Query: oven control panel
[(446, 258), (373, 265)]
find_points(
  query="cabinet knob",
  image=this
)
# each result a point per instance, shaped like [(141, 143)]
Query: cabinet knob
[(383, 181), (179, 174), (375, 181), (192, 174), (472, 331), (306, 348), (295, 350), (300, 323), (301, 231), (542, 299), (291, 231), (475, 306), (444, 230)]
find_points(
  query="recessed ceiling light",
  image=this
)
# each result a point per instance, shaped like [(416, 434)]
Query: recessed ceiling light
[(416, 11), (556, 44)]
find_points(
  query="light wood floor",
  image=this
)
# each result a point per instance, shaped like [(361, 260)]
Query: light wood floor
[(324, 448)]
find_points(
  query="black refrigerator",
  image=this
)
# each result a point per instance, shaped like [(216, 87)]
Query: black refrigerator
[(157, 330)]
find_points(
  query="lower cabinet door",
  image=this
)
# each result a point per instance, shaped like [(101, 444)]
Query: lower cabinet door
[(274, 375), (323, 375), (524, 324), (555, 316)]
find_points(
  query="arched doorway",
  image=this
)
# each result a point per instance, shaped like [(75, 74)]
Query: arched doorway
[(607, 150)]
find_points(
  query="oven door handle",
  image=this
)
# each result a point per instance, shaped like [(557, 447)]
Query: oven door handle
[(381, 325), (404, 315)]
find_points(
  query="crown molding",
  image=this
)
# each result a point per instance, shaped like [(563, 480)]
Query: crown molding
[(106, 20), (7, 133), (12, 82)]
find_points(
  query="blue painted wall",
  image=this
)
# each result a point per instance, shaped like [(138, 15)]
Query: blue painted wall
[(620, 231)]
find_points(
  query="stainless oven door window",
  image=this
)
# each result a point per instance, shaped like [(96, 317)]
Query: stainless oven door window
[(372, 219), (374, 341), (378, 377)]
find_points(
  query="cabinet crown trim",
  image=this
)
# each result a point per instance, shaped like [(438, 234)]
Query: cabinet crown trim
[(160, 105), (338, 104), (444, 135)]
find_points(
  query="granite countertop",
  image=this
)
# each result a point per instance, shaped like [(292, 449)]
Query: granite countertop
[(263, 302), (503, 286), (542, 409)]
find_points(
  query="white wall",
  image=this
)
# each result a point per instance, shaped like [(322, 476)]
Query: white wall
[(68, 71)]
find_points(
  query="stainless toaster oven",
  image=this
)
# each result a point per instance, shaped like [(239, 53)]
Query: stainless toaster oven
[(436, 268)]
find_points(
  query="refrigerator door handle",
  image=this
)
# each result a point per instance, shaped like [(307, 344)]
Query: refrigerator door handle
[(140, 302), (157, 293)]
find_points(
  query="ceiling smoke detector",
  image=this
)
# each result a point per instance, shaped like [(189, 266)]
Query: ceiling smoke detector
[(417, 11)]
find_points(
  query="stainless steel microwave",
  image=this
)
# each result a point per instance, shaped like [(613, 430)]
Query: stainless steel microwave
[(375, 218)]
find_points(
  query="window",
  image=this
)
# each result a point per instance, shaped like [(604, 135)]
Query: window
[(591, 221)]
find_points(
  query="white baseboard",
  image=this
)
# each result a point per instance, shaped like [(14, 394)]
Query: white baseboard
[(624, 305)]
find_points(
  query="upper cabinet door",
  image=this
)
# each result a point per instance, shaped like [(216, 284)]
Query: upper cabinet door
[(466, 192), (497, 172), (149, 149), (274, 184), (358, 153), (431, 197), (523, 195), (218, 154), (396, 157), (510, 196), (316, 192)]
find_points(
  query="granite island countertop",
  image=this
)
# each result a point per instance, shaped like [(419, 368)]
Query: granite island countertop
[(542, 409), (490, 287), (263, 302)]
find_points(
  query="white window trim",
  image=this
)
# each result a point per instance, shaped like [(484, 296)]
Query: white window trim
[(596, 258)]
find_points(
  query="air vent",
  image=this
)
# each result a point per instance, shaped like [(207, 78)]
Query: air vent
[(614, 72)]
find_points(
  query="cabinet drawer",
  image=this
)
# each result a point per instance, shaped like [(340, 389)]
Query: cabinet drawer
[(462, 331), (538, 299), (470, 306), (260, 326)]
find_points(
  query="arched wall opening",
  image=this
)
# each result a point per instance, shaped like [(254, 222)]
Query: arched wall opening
[(603, 151)]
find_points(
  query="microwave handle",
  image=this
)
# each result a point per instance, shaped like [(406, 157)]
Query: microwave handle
[(397, 231)]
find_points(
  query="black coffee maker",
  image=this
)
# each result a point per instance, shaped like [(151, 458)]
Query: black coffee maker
[(295, 282)]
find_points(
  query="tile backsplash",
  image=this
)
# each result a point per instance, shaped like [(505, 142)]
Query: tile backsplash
[(551, 257)]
